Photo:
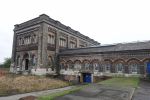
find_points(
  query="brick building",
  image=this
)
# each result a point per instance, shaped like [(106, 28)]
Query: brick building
[(43, 45)]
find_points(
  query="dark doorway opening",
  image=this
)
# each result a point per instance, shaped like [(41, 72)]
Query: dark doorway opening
[(87, 78), (26, 64)]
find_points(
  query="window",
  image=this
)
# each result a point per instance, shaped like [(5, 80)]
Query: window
[(70, 65), (107, 67), (62, 65), (33, 60), (119, 68), (77, 65), (23, 41), (95, 66), (62, 42), (34, 39), (72, 44), (133, 68), (51, 39), (20, 41), (86, 65), (27, 40)]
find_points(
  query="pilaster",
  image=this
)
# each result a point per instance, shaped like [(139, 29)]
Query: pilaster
[(13, 57), (44, 45)]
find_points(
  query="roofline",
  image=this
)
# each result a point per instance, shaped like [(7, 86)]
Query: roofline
[(87, 47), (104, 52), (54, 23)]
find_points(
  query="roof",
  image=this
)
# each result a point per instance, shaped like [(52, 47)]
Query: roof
[(54, 23), (109, 48)]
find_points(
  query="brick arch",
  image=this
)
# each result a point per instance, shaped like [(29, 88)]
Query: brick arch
[(108, 60), (77, 61), (133, 60), (69, 61), (61, 61), (85, 60), (146, 60), (119, 60), (95, 60)]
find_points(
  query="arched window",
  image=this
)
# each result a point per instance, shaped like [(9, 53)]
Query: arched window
[(77, 65), (70, 65), (33, 60), (96, 66), (51, 39), (119, 68), (107, 66), (86, 65), (34, 39), (133, 68), (20, 41)]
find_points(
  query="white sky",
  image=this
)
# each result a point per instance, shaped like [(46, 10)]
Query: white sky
[(106, 21)]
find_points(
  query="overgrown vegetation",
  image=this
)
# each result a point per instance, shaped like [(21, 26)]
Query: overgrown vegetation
[(14, 84), (122, 81)]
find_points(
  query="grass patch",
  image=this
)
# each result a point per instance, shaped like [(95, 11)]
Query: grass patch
[(15, 84), (62, 93), (124, 81)]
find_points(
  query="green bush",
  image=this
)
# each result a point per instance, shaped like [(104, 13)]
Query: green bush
[(7, 62)]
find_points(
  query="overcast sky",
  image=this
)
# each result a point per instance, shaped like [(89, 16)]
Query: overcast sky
[(106, 21)]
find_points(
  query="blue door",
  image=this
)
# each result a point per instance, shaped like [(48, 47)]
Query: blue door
[(87, 78), (148, 67)]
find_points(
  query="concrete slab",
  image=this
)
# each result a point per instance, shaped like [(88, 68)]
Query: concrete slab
[(100, 92), (143, 92)]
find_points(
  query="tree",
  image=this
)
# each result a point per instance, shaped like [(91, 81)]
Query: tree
[(7, 62)]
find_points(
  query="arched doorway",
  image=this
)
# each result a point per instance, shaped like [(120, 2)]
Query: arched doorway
[(26, 62)]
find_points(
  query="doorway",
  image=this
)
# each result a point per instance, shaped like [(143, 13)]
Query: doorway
[(26, 64), (87, 78)]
